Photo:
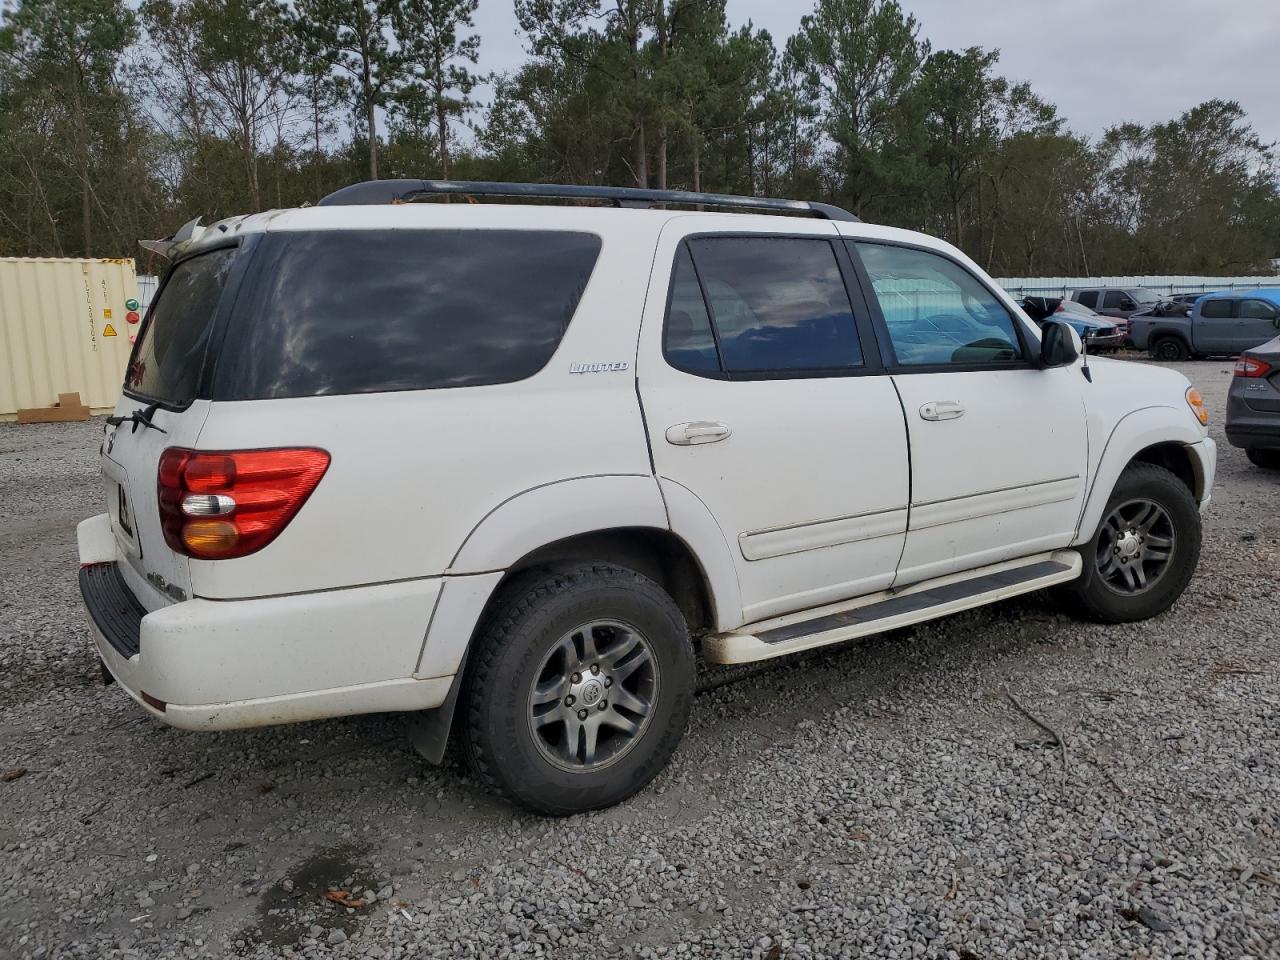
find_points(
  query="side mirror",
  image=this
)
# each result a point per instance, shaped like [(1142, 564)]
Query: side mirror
[(1060, 345)]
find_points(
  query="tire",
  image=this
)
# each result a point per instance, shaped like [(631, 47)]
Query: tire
[(1106, 591), (1262, 457), (1170, 350), (516, 722)]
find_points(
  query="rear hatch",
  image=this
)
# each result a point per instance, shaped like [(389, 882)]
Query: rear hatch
[(162, 407)]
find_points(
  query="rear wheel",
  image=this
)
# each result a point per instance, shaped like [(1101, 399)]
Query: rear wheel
[(581, 687), (1144, 552), (1170, 349), (1266, 458)]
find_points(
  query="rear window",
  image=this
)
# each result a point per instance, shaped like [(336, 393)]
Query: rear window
[(170, 353), (1088, 297), (365, 311), (1216, 309)]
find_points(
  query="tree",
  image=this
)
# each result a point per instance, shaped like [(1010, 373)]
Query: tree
[(861, 58), (354, 36), (230, 63), (437, 52), (62, 58)]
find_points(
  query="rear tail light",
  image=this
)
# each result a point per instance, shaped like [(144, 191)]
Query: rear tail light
[(1252, 367), (215, 505)]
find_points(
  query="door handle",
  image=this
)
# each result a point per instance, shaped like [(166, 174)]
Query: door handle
[(942, 410), (698, 431)]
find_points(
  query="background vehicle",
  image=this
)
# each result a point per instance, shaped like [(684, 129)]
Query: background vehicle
[(1118, 302), (1219, 324), (352, 473), (1253, 404), (1101, 335)]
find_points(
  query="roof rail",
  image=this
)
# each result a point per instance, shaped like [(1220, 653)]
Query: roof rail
[(409, 191)]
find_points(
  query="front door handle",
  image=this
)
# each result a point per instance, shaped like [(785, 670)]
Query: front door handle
[(942, 410), (698, 431)]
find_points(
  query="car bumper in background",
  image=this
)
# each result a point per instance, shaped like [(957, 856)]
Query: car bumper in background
[(1114, 342), (1253, 413), (224, 664)]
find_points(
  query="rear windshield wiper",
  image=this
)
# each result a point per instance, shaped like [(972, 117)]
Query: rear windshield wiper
[(141, 416)]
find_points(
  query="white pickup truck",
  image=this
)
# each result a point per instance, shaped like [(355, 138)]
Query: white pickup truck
[(510, 466)]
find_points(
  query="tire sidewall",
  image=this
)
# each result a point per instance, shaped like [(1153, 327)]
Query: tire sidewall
[(499, 708), (1163, 488)]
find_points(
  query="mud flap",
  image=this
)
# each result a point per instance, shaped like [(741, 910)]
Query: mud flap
[(428, 730)]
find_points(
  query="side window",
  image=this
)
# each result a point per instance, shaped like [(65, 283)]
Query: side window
[(1257, 310), (1113, 299), (936, 311), (1089, 298), (687, 341), (1216, 309), (778, 304)]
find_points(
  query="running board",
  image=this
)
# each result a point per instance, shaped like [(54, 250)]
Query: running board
[(891, 609)]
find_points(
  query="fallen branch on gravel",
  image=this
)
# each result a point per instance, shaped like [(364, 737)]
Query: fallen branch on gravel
[(1058, 738)]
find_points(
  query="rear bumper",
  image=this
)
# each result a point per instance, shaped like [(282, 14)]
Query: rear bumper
[(217, 665), (1264, 435), (1247, 426)]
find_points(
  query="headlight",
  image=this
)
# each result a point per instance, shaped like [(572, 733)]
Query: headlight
[(1196, 402)]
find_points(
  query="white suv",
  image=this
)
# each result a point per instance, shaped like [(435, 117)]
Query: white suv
[(513, 465)]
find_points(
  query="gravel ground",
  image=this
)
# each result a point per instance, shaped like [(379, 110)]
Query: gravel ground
[(886, 799)]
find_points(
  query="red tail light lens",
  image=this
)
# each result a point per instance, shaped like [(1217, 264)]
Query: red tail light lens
[(1252, 367), (215, 505)]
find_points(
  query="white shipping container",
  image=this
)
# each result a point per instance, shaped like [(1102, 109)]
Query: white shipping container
[(65, 327)]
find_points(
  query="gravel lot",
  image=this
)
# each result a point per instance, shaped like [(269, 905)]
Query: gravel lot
[(886, 799)]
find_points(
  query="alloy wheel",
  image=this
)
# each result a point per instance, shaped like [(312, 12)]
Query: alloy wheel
[(1135, 546), (593, 696)]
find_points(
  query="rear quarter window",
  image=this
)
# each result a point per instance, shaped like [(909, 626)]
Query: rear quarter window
[(365, 311)]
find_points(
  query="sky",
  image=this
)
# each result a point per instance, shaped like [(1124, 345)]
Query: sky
[(1102, 62)]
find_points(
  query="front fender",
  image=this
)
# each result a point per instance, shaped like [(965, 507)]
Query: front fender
[(1132, 434)]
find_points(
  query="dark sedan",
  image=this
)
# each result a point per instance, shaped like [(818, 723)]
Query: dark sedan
[(1253, 404)]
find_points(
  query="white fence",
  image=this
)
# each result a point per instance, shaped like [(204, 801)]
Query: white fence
[(147, 290), (1061, 286)]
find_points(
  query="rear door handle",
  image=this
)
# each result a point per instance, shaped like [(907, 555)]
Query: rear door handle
[(697, 431), (942, 410)]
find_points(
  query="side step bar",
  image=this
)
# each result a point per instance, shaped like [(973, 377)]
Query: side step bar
[(891, 609)]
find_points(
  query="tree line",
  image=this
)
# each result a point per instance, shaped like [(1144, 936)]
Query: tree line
[(118, 122)]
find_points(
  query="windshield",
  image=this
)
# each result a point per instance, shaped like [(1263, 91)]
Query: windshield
[(169, 356)]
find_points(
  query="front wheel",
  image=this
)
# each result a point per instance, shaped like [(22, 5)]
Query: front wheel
[(580, 688), (1265, 458), (1144, 552)]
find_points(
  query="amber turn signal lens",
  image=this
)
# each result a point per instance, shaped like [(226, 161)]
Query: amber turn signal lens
[(210, 538), (1196, 402)]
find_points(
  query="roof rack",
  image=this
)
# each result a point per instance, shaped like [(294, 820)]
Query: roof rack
[(409, 191)]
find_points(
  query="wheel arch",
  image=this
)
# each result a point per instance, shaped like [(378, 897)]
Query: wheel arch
[(1161, 435), (655, 552)]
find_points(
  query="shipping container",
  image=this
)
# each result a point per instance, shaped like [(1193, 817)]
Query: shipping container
[(66, 326)]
